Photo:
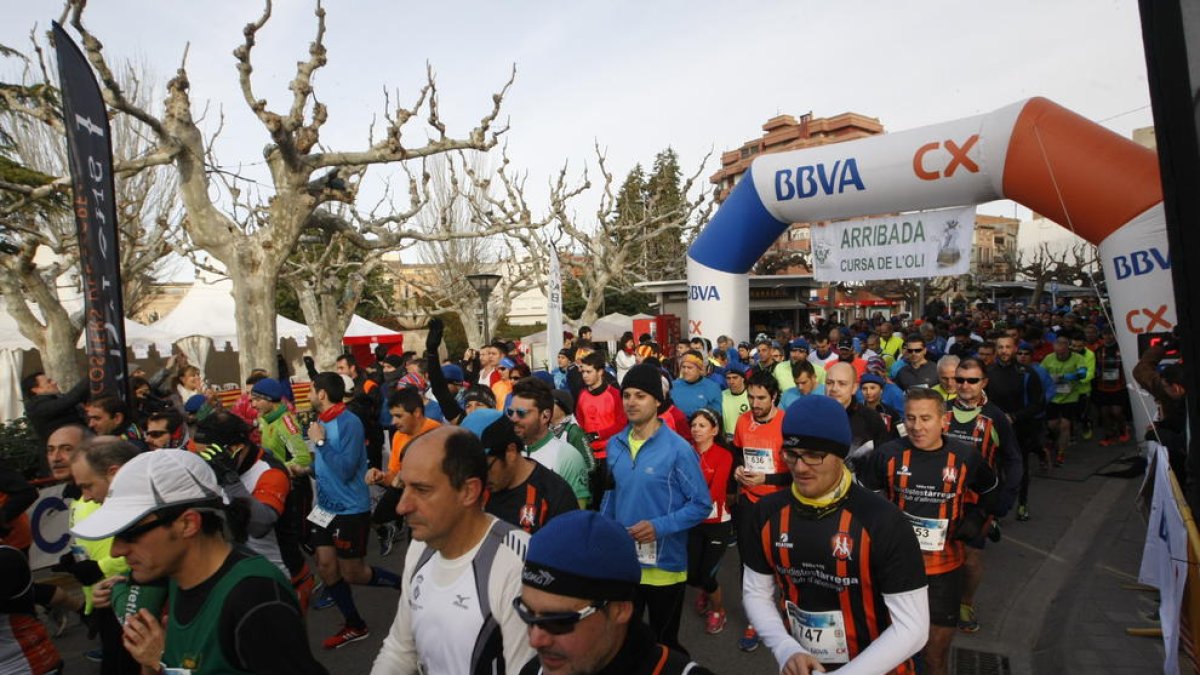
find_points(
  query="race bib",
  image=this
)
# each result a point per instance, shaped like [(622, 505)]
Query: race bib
[(1111, 374), (320, 517), (1062, 388), (758, 460), (931, 532), (822, 634), (647, 552)]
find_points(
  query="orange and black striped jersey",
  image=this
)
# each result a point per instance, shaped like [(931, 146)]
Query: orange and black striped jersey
[(988, 430), (844, 560), (533, 503), (931, 488)]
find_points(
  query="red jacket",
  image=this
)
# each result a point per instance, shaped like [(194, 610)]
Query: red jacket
[(600, 412)]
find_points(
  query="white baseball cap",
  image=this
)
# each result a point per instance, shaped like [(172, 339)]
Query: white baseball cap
[(147, 483)]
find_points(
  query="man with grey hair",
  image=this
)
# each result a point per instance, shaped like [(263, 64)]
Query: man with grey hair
[(946, 367), (94, 463)]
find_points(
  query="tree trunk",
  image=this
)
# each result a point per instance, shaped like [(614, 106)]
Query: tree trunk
[(60, 358), (326, 323), (254, 302)]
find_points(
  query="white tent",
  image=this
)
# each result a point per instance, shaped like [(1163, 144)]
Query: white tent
[(363, 328), (206, 317), (12, 360)]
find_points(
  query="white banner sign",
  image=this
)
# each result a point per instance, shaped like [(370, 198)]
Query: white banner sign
[(910, 246)]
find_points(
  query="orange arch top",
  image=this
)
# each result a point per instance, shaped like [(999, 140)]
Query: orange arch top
[(1105, 179)]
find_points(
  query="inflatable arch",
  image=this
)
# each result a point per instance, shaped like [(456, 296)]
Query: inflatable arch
[(1035, 152)]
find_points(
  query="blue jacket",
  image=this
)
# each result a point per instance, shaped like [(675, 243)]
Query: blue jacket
[(1047, 381), (664, 486), (689, 398), (341, 465)]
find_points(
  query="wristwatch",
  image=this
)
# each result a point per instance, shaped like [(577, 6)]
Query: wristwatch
[(320, 443)]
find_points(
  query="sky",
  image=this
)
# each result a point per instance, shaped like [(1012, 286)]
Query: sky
[(633, 77)]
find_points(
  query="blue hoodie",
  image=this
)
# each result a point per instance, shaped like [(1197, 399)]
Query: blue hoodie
[(664, 486), (340, 464), (703, 393)]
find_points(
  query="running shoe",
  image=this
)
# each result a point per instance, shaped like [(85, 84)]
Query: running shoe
[(1060, 459), (345, 636), (994, 533), (966, 619), (94, 655), (715, 623), (749, 640), (323, 602), (1124, 437), (1087, 433), (1022, 513), (702, 604)]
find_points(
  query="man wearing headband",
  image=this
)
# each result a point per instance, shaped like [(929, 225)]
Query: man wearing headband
[(692, 390), (846, 562), (578, 585), (230, 611)]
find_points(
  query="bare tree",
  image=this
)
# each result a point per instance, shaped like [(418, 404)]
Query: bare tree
[(1066, 265), (469, 231), (607, 244), (41, 270), (329, 275), (253, 246)]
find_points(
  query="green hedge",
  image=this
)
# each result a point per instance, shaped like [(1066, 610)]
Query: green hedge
[(19, 447)]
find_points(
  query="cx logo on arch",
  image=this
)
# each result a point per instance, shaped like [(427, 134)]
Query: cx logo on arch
[(957, 157)]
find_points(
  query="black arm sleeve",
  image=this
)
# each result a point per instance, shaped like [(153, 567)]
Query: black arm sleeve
[(437, 384), (262, 632)]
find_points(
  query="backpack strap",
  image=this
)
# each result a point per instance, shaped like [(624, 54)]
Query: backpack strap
[(487, 656)]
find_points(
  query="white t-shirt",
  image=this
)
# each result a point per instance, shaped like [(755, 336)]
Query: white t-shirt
[(439, 618)]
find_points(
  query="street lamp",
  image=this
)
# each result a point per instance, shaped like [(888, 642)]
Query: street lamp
[(483, 284)]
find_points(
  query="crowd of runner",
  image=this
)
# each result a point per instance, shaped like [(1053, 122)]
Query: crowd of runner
[(555, 519)]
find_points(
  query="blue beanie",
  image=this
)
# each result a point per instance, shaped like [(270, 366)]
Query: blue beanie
[(583, 554), (871, 378), (453, 373), (817, 423), (494, 430), (508, 363), (268, 388), (545, 377), (194, 403), (799, 343)]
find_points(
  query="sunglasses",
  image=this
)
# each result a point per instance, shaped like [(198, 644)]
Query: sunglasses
[(809, 457), (516, 413), (968, 380), (555, 623), (132, 534), (918, 350)]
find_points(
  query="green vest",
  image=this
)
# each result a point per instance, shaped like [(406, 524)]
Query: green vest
[(196, 646)]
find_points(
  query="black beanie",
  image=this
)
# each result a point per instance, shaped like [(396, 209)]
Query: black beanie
[(644, 377)]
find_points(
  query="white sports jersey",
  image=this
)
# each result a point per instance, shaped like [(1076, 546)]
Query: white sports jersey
[(439, 619)]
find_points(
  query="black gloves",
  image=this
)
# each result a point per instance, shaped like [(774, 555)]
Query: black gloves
[(223, 464), (434, 339), (311, 366), (86, 572)]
